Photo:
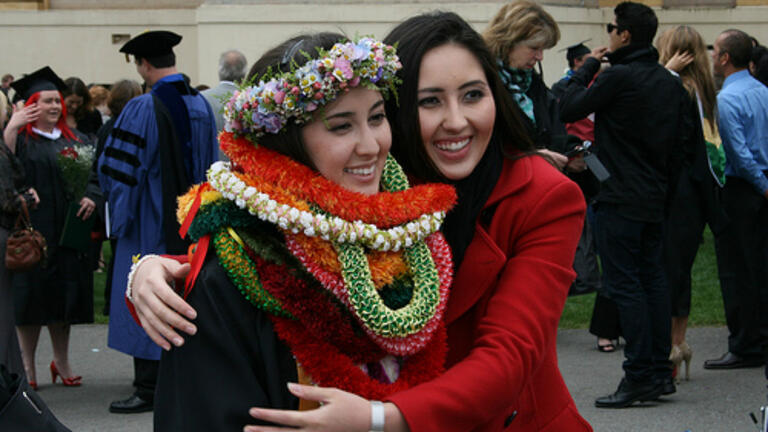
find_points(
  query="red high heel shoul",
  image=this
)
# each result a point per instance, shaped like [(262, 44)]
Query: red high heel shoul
[(68, 382)]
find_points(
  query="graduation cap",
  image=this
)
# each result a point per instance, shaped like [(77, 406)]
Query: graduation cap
[(151, 44), (576, 50), (39, 80)]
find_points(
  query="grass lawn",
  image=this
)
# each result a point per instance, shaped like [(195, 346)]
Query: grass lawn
[(706, 301), (99, 280), (706, 304)]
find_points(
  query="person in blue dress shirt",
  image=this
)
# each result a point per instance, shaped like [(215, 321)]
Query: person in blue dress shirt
[(743, 247), (162, 143)]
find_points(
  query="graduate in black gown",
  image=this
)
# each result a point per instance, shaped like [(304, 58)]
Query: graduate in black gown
[(58, 292)]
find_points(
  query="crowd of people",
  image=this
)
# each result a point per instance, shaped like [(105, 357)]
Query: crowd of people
[(358, 234)]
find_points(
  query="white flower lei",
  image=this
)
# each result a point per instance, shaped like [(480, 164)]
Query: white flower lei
[(332, 228)]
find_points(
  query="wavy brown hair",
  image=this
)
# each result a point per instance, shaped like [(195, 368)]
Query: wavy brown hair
[(518, 22), (696, 76)]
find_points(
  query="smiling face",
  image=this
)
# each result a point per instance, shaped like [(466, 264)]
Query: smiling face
[(50, 109), (349, 143), (73, 102), (525, 56), (456, 110)]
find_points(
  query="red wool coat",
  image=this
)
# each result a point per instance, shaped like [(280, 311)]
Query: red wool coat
[(503, 313)]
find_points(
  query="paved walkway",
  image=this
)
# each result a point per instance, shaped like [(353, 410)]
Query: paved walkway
[(712, 401)]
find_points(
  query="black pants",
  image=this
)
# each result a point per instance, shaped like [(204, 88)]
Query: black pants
[(145, 377), (634, 278), (605, 316), (742, 252)]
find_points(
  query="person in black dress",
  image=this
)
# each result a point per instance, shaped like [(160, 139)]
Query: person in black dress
[(56, 293)]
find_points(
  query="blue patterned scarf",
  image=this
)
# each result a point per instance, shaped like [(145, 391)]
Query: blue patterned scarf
[(518, 81)]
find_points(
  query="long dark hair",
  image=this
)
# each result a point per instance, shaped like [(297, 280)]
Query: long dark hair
[(278, 59), (76, 86), (414, 38)]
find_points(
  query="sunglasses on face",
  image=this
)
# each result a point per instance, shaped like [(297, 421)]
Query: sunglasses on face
[(610, 27)]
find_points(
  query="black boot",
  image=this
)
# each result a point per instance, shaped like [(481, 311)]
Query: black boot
[(630, 392)]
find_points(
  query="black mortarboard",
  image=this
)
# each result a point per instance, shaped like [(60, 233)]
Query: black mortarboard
[(39, 80), (151, 44), (576, 50)]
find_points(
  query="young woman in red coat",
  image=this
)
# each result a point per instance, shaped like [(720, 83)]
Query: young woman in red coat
[(513, 235)]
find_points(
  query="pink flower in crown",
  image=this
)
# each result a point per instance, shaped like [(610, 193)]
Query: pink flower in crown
[(355, 81), (279, 97), (311, 107), (345, 67)]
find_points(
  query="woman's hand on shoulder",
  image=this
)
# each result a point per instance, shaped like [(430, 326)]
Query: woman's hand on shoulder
[(159, 308), (341, 411)]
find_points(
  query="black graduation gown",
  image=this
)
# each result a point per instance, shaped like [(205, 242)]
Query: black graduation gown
[(234, 362), (62, 291)]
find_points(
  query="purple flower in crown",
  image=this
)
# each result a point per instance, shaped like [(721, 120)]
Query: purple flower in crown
[(379, 74), (271, 122), (270, 88)]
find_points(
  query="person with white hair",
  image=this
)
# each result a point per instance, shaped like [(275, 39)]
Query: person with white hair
[(232, 68)]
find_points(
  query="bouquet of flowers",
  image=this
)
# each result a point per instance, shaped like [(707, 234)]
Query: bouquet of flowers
[(75, 163)]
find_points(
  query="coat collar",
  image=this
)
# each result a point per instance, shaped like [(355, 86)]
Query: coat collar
[(517, 173), (484, 259), (632, 53)]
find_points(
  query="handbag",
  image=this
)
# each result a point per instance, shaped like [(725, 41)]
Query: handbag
[(25, 247), (21, 409)]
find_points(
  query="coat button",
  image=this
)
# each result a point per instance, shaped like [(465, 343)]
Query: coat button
[(509, 419)]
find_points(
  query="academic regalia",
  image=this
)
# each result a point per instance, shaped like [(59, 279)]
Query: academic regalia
[(572, 53), (162, 143), (232, 332), (60, 291)]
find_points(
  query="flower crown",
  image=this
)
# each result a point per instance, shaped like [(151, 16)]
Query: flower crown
[(266, 108)]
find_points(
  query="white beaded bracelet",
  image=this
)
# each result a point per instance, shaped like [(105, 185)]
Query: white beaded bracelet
[(134, 267), (377, 416)]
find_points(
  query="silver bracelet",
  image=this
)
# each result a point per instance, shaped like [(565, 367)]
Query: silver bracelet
[(377, 416), (134, 268)]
